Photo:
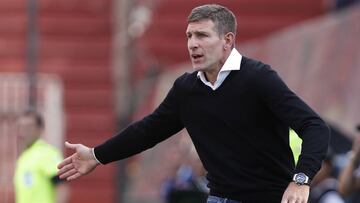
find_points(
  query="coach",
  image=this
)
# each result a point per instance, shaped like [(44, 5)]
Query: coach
[(237, 111)]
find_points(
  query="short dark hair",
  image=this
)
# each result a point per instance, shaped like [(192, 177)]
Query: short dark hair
[(37, 117), (224, 19)]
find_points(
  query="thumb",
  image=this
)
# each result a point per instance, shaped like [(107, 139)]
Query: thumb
[(71, 146)]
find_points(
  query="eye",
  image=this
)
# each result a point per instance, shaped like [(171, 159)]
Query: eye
[(188, 36), (202, 35)]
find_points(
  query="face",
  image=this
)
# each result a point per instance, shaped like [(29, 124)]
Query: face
[(29, 131), (206, 47)]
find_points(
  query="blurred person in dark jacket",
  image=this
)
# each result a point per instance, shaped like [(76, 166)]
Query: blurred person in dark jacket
[(349, 179), (325, 184)]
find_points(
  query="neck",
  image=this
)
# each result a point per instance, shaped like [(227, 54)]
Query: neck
[(31, 143), (212, 73), (21, 146)]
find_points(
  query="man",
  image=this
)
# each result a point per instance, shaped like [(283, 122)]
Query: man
[(35, 177), (237, 112)]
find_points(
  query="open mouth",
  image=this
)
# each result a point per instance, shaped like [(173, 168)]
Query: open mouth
[(196, 56)]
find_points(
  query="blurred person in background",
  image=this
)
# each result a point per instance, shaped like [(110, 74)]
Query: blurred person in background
[(187, 183), (237, 112), (185, 186), (349, 179), (35, 178), (325, 184)]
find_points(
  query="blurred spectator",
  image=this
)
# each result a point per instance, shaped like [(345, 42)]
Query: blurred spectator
[(324, 185), (349, 180), (188, 183), (35, 177), (185, 187)]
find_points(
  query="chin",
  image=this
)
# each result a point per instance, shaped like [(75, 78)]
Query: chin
[(198, 68)]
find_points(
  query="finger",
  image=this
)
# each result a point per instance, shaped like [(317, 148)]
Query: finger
[(284, 201), (73, 177), (65, 169), (68, 173), (288, 199), (65, 162)]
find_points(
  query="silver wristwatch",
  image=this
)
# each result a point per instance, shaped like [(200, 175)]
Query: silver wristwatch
[(301, 179)]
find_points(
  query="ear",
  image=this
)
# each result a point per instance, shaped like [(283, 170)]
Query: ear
[(229, 40)]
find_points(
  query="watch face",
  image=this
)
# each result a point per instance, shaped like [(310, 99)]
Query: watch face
[(300, 178)]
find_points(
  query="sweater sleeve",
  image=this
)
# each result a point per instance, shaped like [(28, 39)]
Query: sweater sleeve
[(143, 134), (290, 109)]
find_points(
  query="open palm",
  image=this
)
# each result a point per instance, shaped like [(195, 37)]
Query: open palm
[(79, 163)]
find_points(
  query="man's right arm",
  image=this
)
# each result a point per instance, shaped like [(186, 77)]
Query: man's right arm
[(144, 134), (137, 137)]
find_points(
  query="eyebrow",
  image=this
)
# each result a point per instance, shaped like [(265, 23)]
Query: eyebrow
[(197, 32)]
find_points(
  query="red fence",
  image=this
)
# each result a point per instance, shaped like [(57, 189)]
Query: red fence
[(320, 60)]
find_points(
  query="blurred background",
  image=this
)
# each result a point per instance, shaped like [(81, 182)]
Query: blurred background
[(93, 67)]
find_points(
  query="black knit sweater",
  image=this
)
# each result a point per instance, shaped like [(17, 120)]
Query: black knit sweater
[(240, 131)]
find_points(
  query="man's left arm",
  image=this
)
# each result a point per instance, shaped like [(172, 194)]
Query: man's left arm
[(290, 109)]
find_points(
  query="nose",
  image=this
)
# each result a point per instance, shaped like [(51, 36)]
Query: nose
[(192, 43)]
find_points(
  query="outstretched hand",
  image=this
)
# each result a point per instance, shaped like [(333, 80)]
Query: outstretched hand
[(80, 163)]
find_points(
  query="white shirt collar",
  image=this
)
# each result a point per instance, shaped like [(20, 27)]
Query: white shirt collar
[(232, 63)]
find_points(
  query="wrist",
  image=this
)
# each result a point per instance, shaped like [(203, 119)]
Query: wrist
[(299, 185), (94, 156)]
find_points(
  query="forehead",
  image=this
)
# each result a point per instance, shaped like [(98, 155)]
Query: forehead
[(202, 25)]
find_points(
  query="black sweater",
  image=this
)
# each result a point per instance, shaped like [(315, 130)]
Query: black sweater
[(240, 131)]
